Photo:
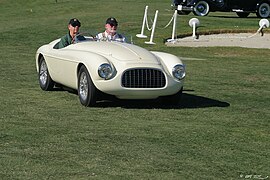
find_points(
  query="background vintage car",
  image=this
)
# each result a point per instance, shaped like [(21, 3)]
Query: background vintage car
[(242, 7), (123, 70)]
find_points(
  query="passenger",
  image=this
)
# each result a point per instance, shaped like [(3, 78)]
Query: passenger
[(73, 34), (110, 33)]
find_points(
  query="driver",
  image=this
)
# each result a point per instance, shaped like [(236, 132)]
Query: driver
[(110, 33), (73, 34)]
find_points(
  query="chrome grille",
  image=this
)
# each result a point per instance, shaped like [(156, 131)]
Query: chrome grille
[(143, 78)]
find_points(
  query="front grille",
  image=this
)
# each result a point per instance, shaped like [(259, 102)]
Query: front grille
[(143, 78)]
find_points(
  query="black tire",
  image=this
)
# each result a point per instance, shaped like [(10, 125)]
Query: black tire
[(242, 14), (86, 88), (45, 81), (263, 10), (172, 99), (202, 8)]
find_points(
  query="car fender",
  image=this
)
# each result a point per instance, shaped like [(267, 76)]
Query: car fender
[(67, 73), (92, 61), (168, 61), (262, 1), (213, 5)]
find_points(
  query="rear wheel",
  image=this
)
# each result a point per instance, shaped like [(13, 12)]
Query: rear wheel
[(263, 10), (242, 14), (201, 8), (86, 88), (45, 81)]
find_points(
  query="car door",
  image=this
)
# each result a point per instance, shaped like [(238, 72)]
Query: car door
[(247, 5), (62, 65)]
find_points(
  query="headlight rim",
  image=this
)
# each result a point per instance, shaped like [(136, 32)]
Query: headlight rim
[(179, 76), (103, 75)]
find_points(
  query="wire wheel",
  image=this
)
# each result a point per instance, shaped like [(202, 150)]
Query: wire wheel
[(83, 86), (86, 88), (263, 10), (201, 8), (45, 81)]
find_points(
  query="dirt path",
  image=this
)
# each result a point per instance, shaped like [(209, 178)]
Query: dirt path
[(247, 40)]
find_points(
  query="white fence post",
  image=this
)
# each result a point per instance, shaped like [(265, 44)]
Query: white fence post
[(174, 26), (153, 30), (143, 24)]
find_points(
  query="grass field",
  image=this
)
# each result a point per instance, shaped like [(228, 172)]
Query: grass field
[(220, 130)]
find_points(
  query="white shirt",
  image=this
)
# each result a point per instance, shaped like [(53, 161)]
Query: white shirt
[(107, 37)]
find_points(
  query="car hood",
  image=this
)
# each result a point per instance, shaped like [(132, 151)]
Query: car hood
[(117, 50)]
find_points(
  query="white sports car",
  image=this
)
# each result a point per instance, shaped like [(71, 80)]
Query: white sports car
[(123, 70)]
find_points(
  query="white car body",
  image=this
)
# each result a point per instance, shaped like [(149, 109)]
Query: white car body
[(64, 64)]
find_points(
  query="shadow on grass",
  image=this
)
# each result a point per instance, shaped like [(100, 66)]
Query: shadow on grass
[(187, 101)]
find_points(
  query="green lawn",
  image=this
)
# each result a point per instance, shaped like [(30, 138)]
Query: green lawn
[(220, 130)]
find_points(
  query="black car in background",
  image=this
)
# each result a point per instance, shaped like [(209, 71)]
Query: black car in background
[(242, 7)]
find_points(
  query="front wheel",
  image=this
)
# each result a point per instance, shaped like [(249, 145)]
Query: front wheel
[(45, 81), (263, 10), (201, 8), (86, 88)]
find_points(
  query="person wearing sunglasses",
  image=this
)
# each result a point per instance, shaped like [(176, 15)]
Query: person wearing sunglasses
[(110, 33), (73, 34)]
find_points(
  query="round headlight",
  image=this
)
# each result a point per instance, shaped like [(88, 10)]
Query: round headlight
[(105, 71), (179, 71)]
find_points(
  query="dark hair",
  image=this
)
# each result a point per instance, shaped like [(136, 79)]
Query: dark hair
[(112, 21), (74, 22)]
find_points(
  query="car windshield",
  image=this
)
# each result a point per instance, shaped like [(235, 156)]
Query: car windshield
[(90, 36)]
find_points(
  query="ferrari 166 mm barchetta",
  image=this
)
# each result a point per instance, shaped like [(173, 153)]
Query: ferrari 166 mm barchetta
[(123, 70)]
